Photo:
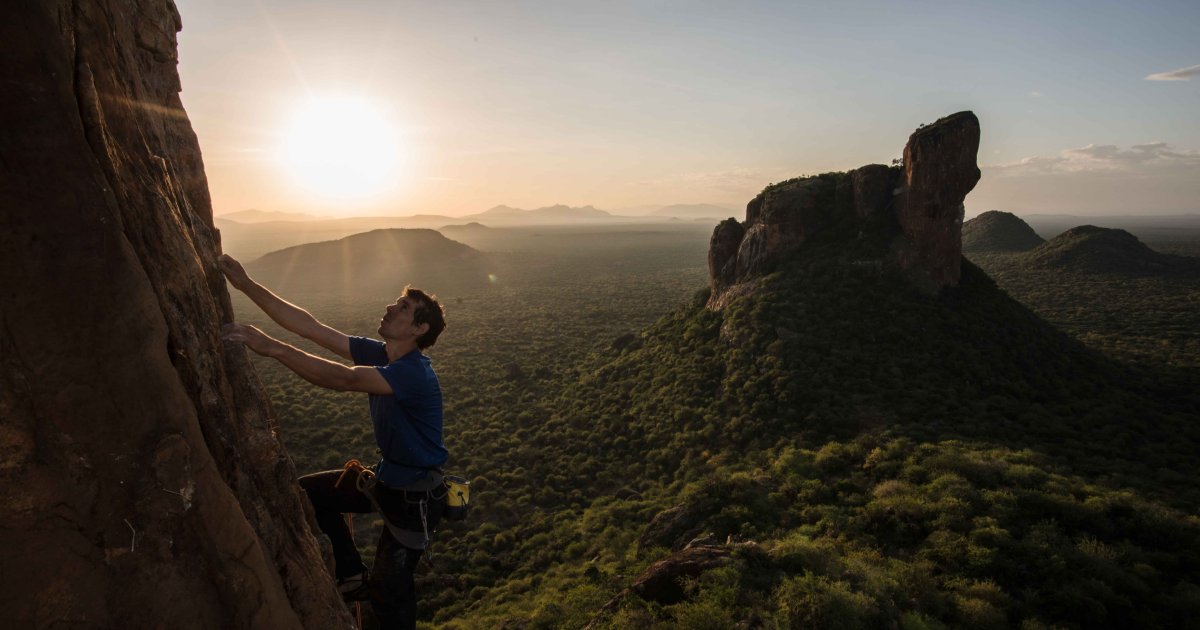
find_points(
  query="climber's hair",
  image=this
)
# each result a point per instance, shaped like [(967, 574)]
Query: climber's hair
[(428, 311)]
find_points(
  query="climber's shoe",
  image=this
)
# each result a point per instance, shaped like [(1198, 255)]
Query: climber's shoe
[(354, 588)]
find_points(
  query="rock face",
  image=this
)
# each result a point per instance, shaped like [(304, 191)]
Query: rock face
[(939, 171), (995, 231), (142, 481), (920, 206)]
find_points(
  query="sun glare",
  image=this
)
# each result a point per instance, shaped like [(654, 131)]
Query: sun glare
[(341, 148)]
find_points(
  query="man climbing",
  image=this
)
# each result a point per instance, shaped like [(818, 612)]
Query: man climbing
[(406, 410)]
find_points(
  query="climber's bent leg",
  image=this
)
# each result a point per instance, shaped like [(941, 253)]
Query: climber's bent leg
[(330, 502)]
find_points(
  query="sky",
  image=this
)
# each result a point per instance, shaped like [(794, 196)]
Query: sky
[(452, 107)]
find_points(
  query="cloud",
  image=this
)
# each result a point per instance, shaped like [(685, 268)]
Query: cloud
[(1182, 74), (1101, 157), (1147, 178)]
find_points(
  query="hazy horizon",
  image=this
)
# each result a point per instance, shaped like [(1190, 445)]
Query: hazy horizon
[(399, 108), (643, 213)]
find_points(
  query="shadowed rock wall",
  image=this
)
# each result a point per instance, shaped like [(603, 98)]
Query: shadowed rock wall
[(141, 481), (919, 207)]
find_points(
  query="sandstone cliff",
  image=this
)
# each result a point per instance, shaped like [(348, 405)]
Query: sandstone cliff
[(142, 481), (919, 206)]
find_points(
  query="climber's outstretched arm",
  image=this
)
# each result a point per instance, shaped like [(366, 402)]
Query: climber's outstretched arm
[(311, 368), (284, 313)]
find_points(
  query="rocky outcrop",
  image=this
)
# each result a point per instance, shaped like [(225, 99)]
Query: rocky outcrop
[(996, 231), (662, 582), (722, 252), (919, 206), (939, 171), (143, 484), (874, 185)]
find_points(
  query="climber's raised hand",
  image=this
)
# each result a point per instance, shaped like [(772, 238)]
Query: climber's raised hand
[(234, 272), (251, 337)]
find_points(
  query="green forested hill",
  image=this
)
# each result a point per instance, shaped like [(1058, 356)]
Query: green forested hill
[(1143, 313), (379, 262), (1091, 249), (998, 231), (868, 456)]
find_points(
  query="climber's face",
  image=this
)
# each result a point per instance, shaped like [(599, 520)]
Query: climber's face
[(397, 323)]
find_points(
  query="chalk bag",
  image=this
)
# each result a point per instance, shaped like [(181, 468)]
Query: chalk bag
[(458, 496)]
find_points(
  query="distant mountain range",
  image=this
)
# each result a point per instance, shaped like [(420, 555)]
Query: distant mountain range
[(549, 215), (558, 214), (251, 233), (264, 216)]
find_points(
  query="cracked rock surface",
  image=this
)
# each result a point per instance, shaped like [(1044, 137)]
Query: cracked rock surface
[(143, 484)]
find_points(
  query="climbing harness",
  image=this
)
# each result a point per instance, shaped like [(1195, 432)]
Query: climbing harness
[(365, 483)]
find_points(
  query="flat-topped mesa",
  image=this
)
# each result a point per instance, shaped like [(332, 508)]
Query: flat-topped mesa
[(920, 206)]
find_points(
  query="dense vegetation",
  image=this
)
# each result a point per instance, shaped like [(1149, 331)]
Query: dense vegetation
[(870, 456), (1147, 314), (1095, 250), (998, 231)]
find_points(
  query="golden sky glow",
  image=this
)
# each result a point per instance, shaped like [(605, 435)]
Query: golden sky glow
[(633, 106)]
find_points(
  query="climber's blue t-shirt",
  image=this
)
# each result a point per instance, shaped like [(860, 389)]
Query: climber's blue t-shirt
[(408, 424)]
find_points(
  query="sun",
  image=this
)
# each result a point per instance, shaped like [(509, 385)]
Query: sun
[(341, 148)]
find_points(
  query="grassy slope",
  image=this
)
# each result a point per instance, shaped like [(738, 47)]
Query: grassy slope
[(893, 456), (1145, 318)]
